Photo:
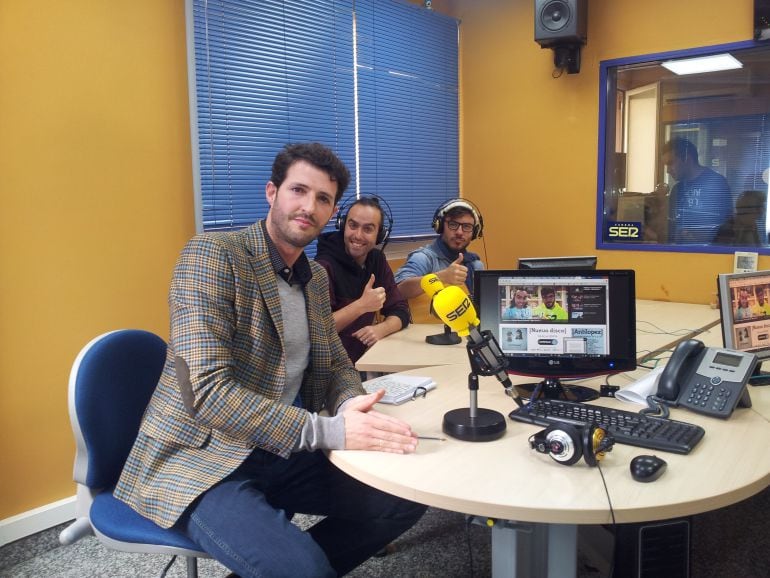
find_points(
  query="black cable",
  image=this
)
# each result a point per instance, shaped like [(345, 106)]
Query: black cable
[(660, 331), (168, 566), (656, 407), (468, 522), (614, 523)]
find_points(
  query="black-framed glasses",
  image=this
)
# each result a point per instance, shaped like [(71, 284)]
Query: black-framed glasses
[(453, 226)]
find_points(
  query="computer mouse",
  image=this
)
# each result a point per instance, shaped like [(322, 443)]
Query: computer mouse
[(646, 468)]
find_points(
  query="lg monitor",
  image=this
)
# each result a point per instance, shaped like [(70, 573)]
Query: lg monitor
[(560, 323), (744, 308), (570, 262)]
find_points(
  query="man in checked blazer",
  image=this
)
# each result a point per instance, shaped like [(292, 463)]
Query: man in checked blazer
[(230, 446)]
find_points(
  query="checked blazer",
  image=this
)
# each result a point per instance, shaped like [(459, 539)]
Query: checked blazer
[(218, 396)]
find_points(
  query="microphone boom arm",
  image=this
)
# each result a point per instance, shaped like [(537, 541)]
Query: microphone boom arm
[(486, 358)]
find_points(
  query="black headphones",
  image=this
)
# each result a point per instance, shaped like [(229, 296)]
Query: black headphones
[(386, 220), (566, 443), (438, 216)]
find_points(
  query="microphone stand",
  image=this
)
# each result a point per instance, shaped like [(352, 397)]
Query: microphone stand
[(449, 337), (475, 424)]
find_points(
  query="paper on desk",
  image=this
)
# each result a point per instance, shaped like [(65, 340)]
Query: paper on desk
[(399, 388), (638, 391)]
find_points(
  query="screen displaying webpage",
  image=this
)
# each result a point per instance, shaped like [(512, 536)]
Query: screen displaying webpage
[(750, 313), (553, 315)]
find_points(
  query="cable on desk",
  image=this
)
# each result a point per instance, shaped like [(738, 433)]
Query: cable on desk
[(660, 331), (656, 407), (656, 361)]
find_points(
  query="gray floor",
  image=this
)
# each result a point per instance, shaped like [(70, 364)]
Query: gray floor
[(726, 543)]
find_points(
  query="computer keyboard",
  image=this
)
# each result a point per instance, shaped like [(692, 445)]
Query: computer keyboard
[(627, 427)]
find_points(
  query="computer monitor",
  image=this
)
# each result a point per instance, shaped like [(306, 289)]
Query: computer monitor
[(569, 262), (744, 311), (560, 323)]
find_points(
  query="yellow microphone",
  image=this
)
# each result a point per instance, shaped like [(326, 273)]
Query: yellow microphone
[(431, 284), (455, 309), (453, 306)]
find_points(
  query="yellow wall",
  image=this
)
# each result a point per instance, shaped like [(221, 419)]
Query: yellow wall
[(96, 202), (96, 187), (529, 141)]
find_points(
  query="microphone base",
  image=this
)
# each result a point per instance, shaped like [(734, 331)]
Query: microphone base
[(443, 339), (488, 424)]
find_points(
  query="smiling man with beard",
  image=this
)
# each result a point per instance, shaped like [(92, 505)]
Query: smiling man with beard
[(361, 282)]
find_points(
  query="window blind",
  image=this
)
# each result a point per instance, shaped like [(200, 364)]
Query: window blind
[(269, 72)]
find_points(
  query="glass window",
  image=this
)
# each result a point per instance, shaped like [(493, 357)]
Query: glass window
[(685, 156)]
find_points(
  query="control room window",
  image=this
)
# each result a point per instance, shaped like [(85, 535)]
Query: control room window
[(684, 155)]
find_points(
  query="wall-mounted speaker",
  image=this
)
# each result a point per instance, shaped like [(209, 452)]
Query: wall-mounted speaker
[(559, 22)]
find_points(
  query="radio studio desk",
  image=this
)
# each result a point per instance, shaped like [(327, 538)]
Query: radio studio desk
[(505, 481)]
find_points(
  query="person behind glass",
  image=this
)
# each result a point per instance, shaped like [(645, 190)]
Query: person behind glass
[(360, 280), (744, 309), (549, 308), (519, 306), (761, 307), (741, 228), (232, 442), (457, 222), (700, 198)]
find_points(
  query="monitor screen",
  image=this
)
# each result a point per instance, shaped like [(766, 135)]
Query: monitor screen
[(560, 323), (569, 262), (744, 310)]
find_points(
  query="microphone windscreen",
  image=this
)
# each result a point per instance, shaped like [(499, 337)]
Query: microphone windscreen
[(431, 284), (455, 309)]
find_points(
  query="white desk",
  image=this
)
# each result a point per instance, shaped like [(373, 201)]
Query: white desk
[(407, 349), (660, 326), (505, 480)]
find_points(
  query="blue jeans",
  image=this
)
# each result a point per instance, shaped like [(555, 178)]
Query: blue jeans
[(244, 521)]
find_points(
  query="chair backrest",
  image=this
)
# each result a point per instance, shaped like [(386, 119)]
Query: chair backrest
[(111, 383)]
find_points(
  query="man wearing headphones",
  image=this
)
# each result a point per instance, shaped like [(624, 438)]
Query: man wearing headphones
[(360, 280), (457, 222)]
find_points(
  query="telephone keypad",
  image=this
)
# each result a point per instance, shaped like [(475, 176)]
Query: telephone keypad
[(707, 395)]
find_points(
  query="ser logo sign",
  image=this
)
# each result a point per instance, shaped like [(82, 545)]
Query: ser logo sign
[(459, 311), (623, 230)]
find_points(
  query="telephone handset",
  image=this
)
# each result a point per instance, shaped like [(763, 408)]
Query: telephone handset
[(707, 380)]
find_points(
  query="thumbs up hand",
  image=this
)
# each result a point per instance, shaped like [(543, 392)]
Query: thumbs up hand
[(372, 298), (455, 274)]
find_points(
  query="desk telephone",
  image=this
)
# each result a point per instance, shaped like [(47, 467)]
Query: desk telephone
[(707, 380)]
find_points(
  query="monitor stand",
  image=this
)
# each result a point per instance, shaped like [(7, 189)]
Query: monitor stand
[(449, 337), (552, 388), (759, 377)]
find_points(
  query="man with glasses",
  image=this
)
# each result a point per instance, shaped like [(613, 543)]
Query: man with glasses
[(457, 222)]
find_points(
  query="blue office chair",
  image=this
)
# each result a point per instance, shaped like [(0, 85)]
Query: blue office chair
[(110, 385)]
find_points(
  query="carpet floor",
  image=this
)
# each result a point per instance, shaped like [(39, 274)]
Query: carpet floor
[(725, 543)]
